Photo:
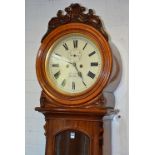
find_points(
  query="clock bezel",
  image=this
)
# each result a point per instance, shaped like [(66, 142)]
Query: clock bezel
[(50, 52), (96, 89)]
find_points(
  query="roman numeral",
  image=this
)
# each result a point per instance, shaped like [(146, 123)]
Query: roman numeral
[(91, 75), (94, 64), (65, 46), (56, 75), (63, 82), (55, 65), (85, 46), (92, 53), (75, 43), (73, 85)]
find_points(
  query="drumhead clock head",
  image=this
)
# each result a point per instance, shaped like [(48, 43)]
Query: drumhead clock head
[(74, 63)]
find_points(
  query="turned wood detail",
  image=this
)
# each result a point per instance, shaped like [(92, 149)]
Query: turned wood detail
[(46, 128), (76, 14), (101, 136)]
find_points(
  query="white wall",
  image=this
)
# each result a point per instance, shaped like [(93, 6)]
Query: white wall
[(114, 13)]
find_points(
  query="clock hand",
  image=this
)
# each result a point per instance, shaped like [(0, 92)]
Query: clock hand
[(82, 79), (59, 57), (79, 73), (74, 64)]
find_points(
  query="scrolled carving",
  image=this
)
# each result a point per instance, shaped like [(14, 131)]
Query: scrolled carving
[(99, 102), (75, 14)]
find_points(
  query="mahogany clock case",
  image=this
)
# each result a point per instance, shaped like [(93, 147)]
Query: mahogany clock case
[(74, 121)]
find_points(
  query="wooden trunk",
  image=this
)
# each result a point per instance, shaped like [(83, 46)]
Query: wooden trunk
[(74, 131)]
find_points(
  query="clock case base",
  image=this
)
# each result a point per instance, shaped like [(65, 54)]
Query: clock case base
[(87, 120)]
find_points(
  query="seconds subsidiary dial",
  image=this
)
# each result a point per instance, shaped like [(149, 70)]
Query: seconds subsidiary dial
[(73, 64)]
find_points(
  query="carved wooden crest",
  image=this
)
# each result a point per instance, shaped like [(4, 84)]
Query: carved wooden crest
[(76, 14)]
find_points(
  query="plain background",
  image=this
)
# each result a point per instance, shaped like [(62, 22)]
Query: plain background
[(114, 14), (142, 75)]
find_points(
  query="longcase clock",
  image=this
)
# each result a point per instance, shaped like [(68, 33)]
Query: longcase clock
[(74, 65)]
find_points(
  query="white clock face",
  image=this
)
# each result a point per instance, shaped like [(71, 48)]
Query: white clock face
[(73, 64)]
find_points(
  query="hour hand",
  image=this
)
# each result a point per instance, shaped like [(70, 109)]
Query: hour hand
[(62, 58)]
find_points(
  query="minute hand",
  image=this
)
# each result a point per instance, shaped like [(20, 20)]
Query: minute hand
[(79, 73)]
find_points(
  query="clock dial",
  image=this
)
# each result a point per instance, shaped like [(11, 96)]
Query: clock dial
[(73, 64)]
